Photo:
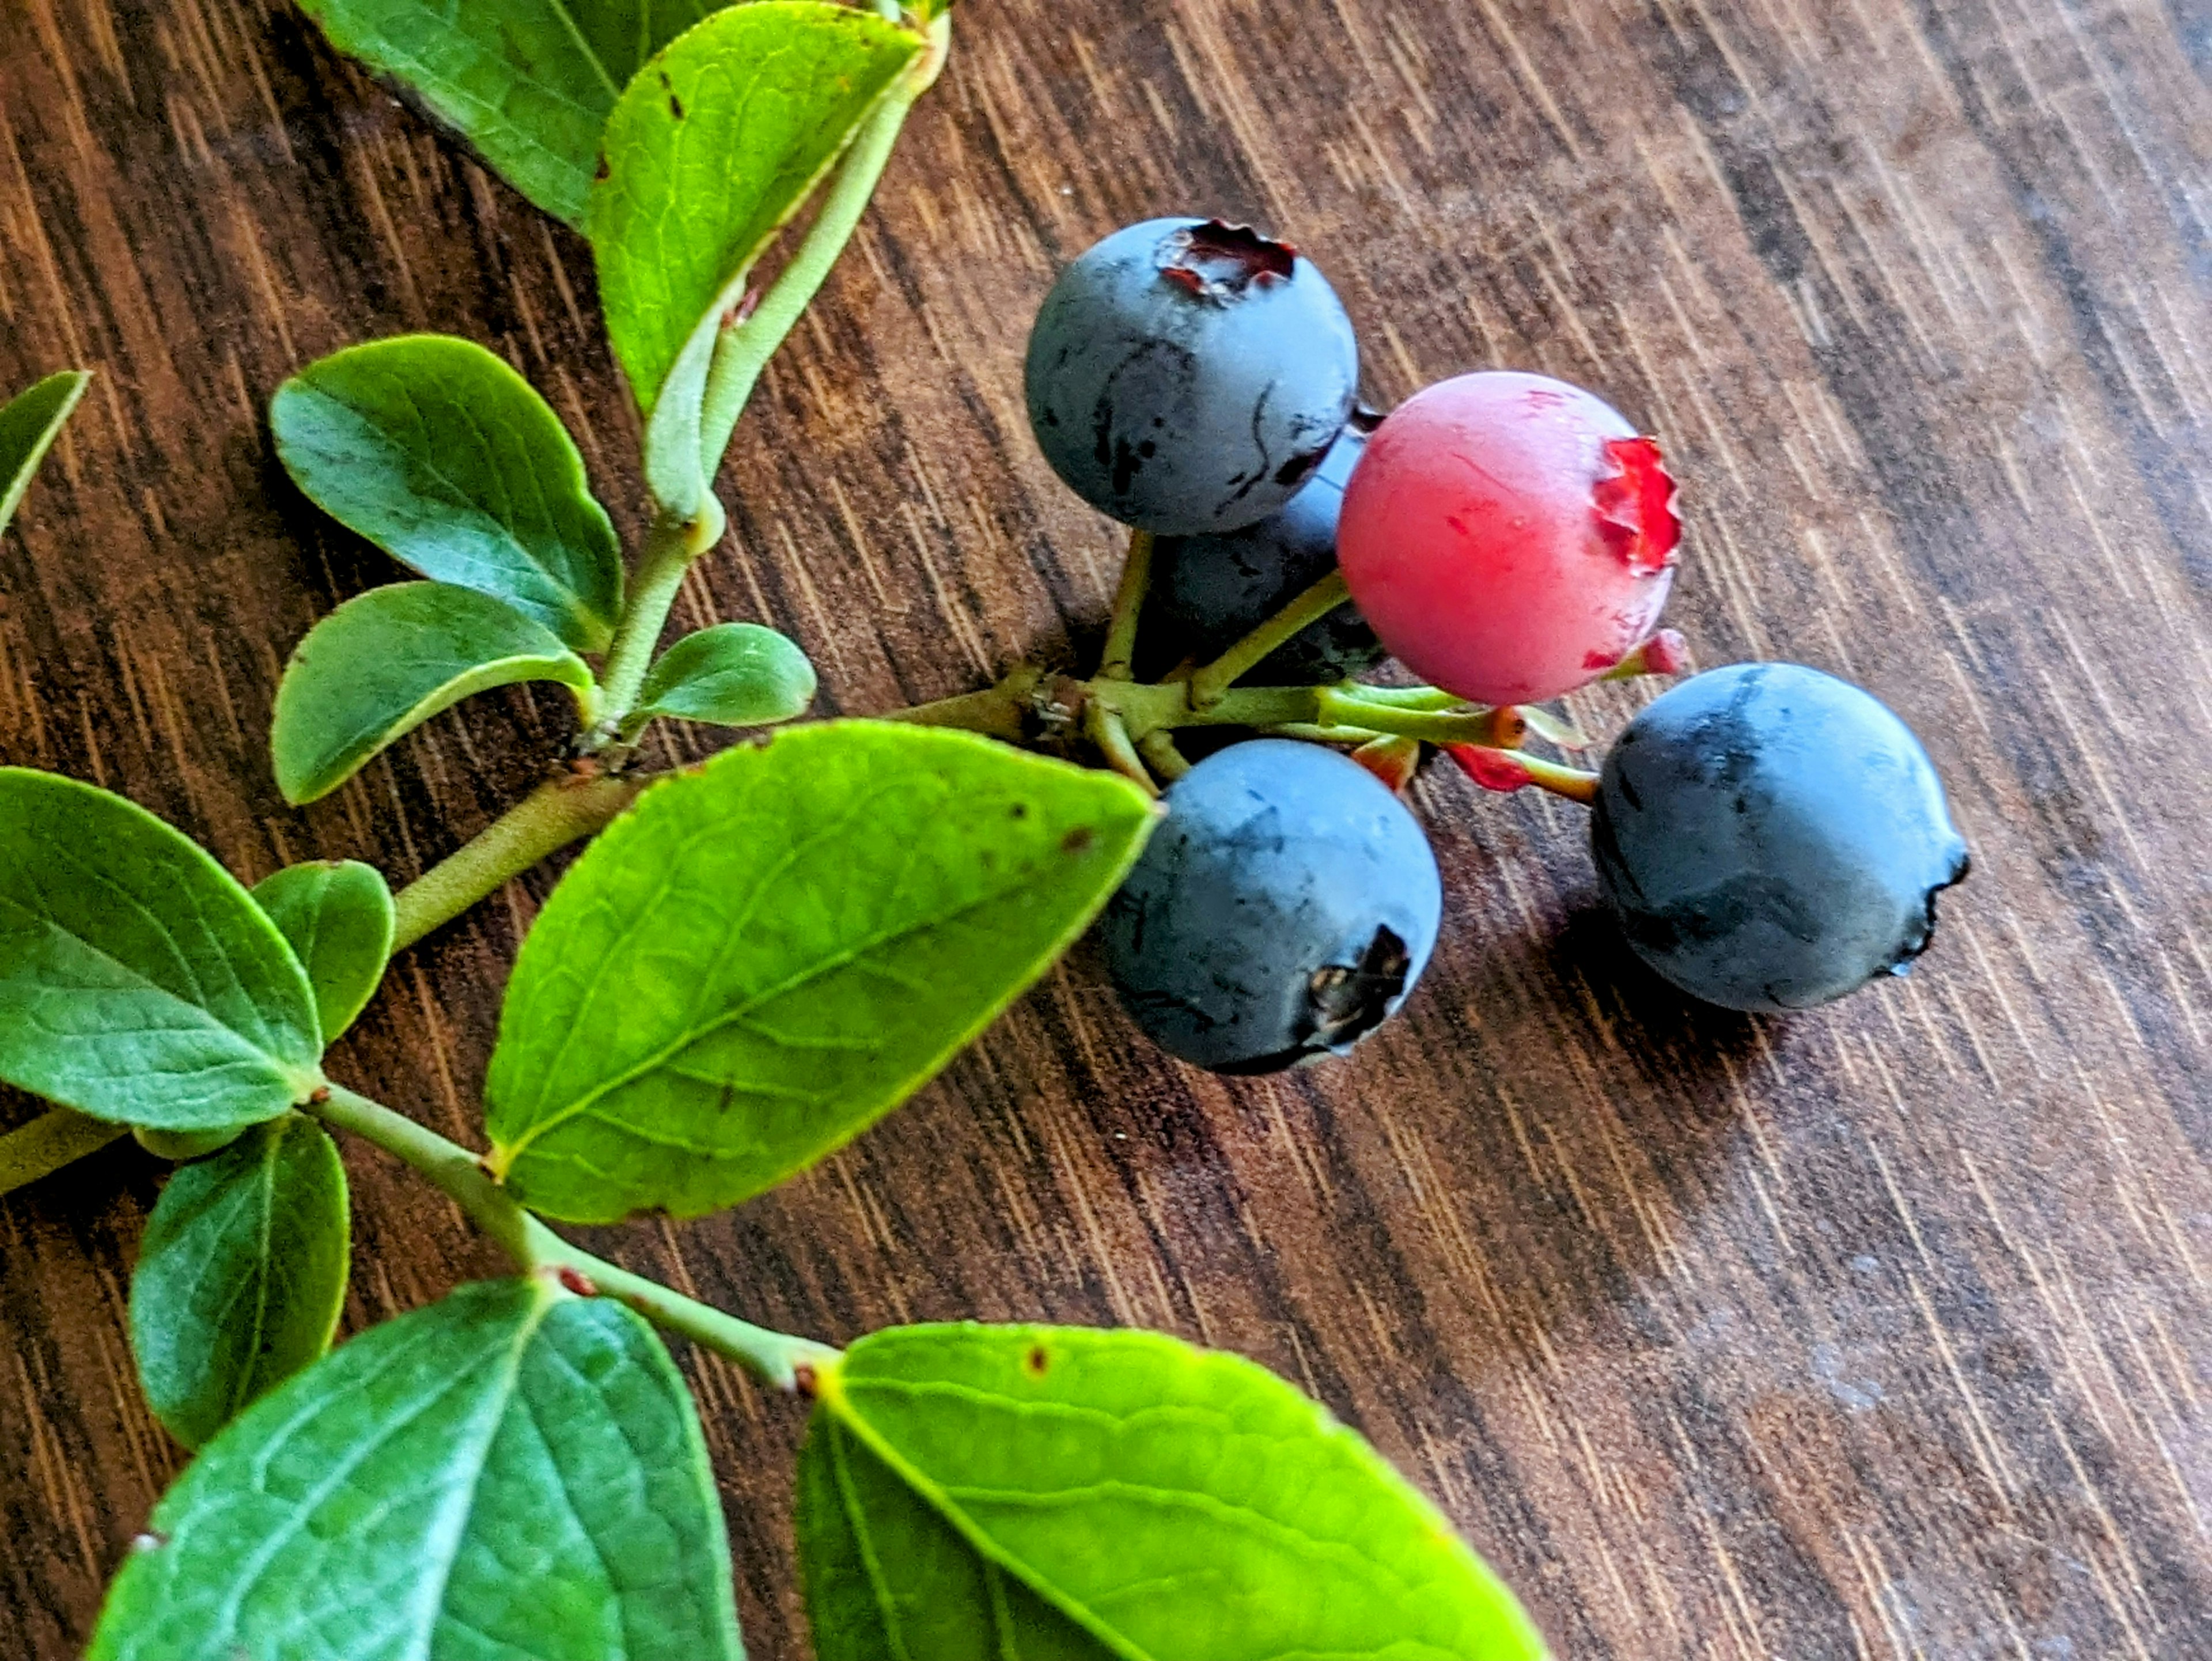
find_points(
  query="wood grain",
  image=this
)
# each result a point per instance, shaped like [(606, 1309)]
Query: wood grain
[(1880, 1332)]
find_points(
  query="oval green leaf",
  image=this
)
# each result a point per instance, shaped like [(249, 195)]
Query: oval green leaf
[(990, 1492), (510, 1472), (735, 674), (30, 423), (441, 454), (337, 915), (240, 1277), (527, 83), (387, 660), (139, 982), (769, 953), (713, 148)]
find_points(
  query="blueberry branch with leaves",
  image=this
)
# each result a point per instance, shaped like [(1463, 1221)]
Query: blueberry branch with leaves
[(754, 960)]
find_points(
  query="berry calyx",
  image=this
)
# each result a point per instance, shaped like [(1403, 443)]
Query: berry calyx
[(1508, 536)]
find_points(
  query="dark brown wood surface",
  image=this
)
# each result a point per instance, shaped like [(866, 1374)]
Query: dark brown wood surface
[(1880, 1332)]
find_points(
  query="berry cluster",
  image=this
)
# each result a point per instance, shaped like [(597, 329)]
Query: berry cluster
[(1769, 836)]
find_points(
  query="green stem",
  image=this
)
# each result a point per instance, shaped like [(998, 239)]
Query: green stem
[(670, 547), (1001, 711), (1208, 686), (59, 1137), (743, 350), (778, 1358), (555, 814), (1106, 729), (1167, 761), (1351, 707), (1128, 609)]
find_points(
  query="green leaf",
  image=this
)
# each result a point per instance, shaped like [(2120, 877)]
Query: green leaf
[(139, 982), (769, 953), (712, 148), (387, 660), (337, 915), (735, 674), (441, 454), (528, 83), (1004, 1493), (241, 1275), (510, 1473), (29, 425), (887, 1579)]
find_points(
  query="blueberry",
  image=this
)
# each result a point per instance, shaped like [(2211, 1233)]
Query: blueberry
[(1185, 375), (1772, 837), (1209, 591), (1282, 911)]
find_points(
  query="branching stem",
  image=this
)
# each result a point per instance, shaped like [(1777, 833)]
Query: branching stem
[(1208, 684), (777, 1358)]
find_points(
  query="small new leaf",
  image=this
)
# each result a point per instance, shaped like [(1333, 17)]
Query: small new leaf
[(735, 674), (769, 953), (985, 1494), (527, 83), (139, 982), (510, 1472), (30, 423), (387, 660), (240, 1277), (337, 915), (443, 457), (713, 147)]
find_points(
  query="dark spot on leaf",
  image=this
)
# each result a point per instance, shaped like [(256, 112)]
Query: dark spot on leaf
[(675, 107), (1036, 1362), (1079, 840), (604, 171), (1020, 810), (666, 85)]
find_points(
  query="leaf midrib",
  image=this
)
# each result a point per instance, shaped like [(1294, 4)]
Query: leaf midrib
[(507, 1154)]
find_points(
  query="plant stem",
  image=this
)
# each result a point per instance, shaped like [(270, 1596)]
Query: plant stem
[(1351, 707), (778, 1358), (745, 350), (670, 547), (555, 814), (1208, 686), (1167, 761), (1105, 729), (59, 1137), (1128, 608), (1000, 711)]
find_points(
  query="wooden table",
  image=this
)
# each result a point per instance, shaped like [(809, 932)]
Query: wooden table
[(1880, 1332)]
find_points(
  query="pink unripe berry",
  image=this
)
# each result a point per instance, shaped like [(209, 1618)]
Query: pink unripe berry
[(1508, 536)]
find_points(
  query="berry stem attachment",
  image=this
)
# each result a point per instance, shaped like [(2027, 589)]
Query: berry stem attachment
[(1508, 770), (1107, 730), (1351, 706), (1208, 686), (1128, 609), (777, 1358), (1161, 755)]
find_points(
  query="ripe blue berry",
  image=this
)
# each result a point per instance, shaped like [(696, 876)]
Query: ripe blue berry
[(1283, 910), (1209, 591), (1185, 375), (1772, 837)]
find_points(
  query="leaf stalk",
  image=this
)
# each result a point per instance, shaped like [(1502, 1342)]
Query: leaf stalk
[(777, 1358)]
